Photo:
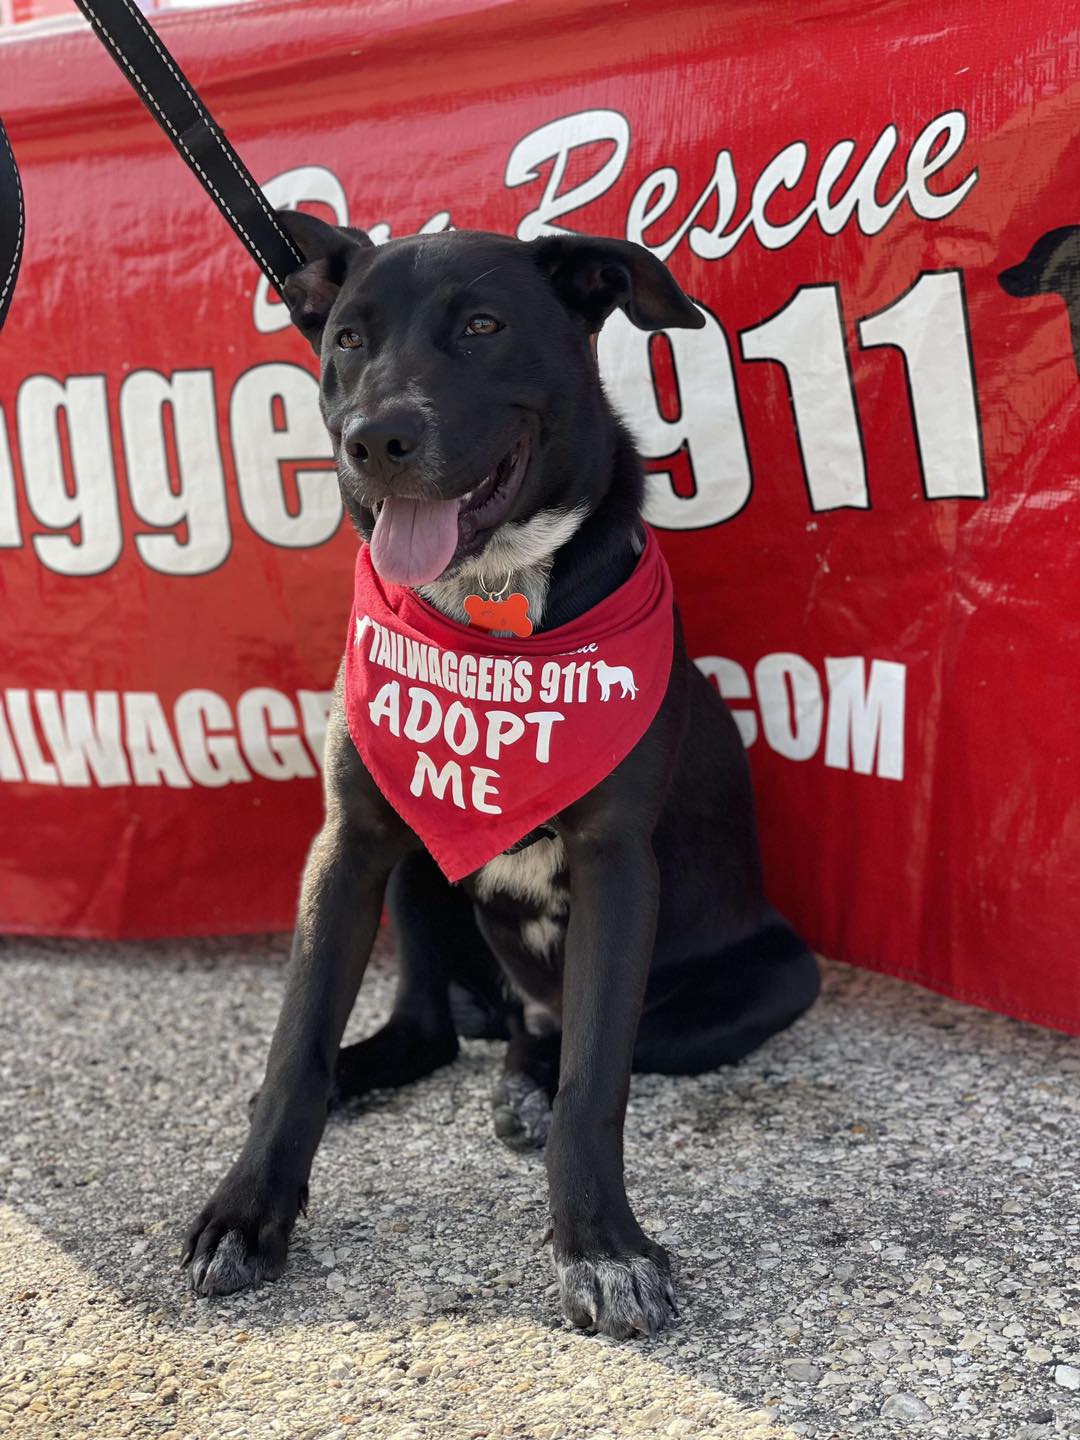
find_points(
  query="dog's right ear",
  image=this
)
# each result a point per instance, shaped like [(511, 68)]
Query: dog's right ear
[(592, 276), (310, 291)]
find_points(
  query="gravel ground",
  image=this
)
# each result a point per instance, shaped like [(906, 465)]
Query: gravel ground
[(875, 1219)]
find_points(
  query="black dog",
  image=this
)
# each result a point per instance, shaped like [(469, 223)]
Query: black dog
[(630, 931)]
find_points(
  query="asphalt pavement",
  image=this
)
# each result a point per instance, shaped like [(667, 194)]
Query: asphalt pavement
[(875, 1223)]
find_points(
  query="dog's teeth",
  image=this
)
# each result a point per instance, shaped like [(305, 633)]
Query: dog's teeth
[(470, 495)]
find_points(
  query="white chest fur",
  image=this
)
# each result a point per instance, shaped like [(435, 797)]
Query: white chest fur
[(537, 877), (522, 550)]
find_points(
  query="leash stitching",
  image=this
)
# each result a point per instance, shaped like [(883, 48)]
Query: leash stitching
[(100, 24), (257, 195), (19, 233)]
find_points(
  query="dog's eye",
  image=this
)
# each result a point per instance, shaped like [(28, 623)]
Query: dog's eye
[(349, 340), (483, 325)]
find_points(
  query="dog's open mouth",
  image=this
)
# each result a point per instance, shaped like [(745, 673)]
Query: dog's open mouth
[(415, 540)]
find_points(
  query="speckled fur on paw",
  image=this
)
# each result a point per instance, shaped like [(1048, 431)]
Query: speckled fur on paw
[(617, 1297), (230, 1266), (522, 1112)]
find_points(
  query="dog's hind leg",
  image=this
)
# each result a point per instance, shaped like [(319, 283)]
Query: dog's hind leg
[(448, 985), (526, 1088), (727, 1004), (435, 932)]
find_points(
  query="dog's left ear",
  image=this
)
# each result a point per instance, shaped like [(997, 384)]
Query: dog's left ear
[(310, 291), (593, 276)]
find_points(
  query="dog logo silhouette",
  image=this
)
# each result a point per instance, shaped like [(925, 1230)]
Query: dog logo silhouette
[(609, 675), (1051, 267)]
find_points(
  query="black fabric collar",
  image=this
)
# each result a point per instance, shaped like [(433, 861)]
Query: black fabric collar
[(598, 584)]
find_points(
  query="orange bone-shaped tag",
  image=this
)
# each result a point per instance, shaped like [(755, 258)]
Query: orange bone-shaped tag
[(510, 614)]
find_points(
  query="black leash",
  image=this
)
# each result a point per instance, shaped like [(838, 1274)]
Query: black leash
[(173, 102), (12, 223), (163, 88)]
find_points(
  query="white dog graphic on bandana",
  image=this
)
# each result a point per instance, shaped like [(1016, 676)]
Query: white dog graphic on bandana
[(609, 675)]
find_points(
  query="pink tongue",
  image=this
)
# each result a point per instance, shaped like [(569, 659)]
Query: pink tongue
[(414, 540)]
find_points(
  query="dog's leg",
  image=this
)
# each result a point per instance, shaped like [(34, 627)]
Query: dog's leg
[(434, 925), (241, 1236), (612, 1277), (526, 1088)]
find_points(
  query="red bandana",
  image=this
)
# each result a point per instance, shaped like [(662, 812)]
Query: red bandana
[(475, 739)]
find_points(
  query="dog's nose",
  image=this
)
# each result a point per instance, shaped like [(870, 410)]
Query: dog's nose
[(383, 443)]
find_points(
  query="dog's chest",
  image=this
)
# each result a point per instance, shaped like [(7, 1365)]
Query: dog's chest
[(529, 892)]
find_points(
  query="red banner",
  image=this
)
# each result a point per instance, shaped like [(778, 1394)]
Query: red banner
[(865, 466)]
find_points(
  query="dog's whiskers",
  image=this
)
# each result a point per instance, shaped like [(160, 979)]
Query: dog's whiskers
[(483, 276)]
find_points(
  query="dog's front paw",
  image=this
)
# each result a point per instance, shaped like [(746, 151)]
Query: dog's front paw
[(522, 1111), (617, 1294), (241, 1236)]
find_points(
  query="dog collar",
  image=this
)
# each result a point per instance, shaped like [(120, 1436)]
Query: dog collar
[(599, 582), (477, 739)]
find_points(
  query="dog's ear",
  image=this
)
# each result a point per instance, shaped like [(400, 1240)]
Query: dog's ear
[(310, 291), (592, 276)]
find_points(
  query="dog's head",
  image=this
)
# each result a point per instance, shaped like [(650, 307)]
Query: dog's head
[(458, 378)]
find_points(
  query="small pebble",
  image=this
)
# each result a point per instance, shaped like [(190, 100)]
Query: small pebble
[(905, 1407), (803, 1371)]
